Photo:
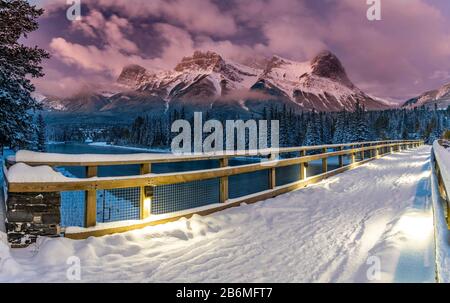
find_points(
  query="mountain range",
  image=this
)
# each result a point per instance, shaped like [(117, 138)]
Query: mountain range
[(207, 81), (439, 98)]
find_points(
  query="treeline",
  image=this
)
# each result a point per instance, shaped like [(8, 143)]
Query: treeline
[(342, 127), (306, 128)]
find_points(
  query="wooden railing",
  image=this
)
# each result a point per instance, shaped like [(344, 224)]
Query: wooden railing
[(443, 177), (366, 151)]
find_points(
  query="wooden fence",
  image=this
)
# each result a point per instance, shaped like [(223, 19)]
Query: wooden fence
[(443, 177), (363, 151)]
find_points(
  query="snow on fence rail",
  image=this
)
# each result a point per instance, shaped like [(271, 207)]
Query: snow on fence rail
[(441, 152), (150, 199)]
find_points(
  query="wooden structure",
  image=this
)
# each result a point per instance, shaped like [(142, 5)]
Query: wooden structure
[(441, 175), (364, 151)]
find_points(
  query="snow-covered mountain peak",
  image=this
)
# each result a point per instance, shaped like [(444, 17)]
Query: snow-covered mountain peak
[(443, 92), (209, 80), (38, 97), (204, 75), (439, 97), (133, 75), (287, 69), (204, 61), (327, 65)]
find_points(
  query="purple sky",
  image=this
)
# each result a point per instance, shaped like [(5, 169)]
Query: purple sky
[(404, 54)]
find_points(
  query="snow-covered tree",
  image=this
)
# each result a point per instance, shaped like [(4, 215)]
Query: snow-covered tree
[(339, 132), (17, 63), (313, 131), (362, 131), (41, 133)]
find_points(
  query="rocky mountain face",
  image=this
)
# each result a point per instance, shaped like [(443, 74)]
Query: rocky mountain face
[(133, 75), (79, 103), (207, 81), (439, 97), (321, 84)]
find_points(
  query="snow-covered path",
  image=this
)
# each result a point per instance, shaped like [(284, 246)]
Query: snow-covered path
[(342, 229)]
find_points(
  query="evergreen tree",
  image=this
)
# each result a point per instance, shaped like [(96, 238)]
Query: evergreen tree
[(381, 126), (313, 131), (350, 128), (361, 132), (17, 62), (339, 133), (41, 133)]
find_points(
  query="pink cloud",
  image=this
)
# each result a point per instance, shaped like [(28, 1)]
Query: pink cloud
[(62, 85), (199, 16), (111, 30), (178, 43), (397, 54), (109, 60)]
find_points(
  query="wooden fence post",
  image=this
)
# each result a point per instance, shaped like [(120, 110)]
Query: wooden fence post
[(91, 199), (145, 199), (302, 166), (324, 162), (272, 174), (341, 158), (223, 182)]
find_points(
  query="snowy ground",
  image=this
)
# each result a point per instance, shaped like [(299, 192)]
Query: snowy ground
[(344, 229)]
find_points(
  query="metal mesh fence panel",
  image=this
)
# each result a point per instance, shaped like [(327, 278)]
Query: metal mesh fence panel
[(314, 168), (249, 183), (175, 197), (73, 208), (118, 204), (333, 163), (287, 174)]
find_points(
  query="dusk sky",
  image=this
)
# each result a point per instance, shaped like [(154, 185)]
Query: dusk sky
[(404, 54)]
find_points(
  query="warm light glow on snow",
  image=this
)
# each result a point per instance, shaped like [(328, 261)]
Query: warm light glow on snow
[(416, 226)]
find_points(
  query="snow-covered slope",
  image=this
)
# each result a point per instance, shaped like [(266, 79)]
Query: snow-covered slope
[(205, 76), (206, 80), (321, 84), (87, 102), (439, 97)]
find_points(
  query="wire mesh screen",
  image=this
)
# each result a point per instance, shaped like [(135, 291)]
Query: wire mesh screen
[(249, 183), (333, 163), (118, 204), (176, 197), (287, 174), (73, 208), (314, 168)]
